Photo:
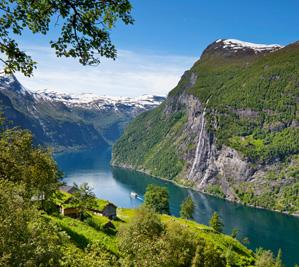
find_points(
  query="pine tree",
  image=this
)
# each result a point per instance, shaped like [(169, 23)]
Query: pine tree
[(216, 223), (187, 208)]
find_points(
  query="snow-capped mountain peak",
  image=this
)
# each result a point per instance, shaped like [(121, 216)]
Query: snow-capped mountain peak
[(9, 81), (233, 48), (237, 45)]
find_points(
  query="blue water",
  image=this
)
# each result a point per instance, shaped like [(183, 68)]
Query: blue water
[(263, 228)]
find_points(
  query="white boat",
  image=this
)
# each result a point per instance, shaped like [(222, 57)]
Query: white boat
[(133, 195)]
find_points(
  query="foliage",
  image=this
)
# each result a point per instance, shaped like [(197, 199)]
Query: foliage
[(83, 198), (270, 146), (157, 199), (265, 258), (27, 239), (212, 257), (148, 239), (84, 29), (240, 255), (22, 163), (216, 223), (283, 195), (215, 190), (252, 108), (148, 144), (139, 240), (95, 255), (235, 232), (187, 208), (29, 176)]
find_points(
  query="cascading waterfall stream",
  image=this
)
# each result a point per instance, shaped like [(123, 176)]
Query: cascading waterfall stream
[(198, 151), (203, 180)]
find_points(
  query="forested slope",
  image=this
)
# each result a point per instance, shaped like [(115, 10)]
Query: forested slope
[(230, 127)]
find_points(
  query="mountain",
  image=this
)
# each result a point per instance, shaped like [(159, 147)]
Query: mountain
[(229, 128), (68, 122)]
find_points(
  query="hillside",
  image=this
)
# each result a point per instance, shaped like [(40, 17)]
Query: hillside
[(84, 233), (229, 128), (69, 122)]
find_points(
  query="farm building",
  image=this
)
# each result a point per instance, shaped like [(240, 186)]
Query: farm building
[(108, 210), (64, 203)]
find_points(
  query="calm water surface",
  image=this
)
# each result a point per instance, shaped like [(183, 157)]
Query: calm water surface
[(263, 228)]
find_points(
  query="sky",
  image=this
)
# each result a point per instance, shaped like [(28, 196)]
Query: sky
[(168, 36)]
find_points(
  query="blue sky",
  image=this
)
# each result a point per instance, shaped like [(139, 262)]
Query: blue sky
[(166, 39), (186, 27)]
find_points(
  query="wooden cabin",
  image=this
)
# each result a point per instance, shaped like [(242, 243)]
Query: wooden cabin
[(64, 203), (109, 211)]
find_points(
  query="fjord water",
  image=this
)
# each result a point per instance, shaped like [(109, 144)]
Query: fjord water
[(263, 228)]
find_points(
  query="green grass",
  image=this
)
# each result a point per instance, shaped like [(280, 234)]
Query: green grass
[(82, 234), (101, 204), (60, 197), (242, 256), (93, 231)]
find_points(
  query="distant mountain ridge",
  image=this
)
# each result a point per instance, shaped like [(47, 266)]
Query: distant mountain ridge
[(69, 122), (229, 128), (91, 101)]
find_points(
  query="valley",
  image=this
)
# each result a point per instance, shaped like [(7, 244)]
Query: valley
[(267, 229), (149, 134), (67, 122), (229, 128)]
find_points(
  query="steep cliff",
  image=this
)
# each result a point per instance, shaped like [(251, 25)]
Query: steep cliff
[(229, 128)]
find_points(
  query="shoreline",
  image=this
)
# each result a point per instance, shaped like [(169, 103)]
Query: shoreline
[(296, 215)]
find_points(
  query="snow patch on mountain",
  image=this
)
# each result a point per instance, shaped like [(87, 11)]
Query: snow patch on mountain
[(10, 81), (239, 45), (87, 101), (92, 101)]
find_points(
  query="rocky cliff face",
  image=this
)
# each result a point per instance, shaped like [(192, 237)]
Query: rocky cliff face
[(205, 164), (224, 130)]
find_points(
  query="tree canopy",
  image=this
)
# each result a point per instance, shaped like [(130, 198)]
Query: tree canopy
[(83, 197), (22, 163), (156, 198), (27, 239), (83, 29), (216, 223), (187, 208), (147, 241)]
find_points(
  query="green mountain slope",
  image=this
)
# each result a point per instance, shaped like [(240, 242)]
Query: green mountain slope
[(230, 128), (84, 234)]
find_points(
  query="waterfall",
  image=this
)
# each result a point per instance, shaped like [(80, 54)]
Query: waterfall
[(203, 180), (198, 151)]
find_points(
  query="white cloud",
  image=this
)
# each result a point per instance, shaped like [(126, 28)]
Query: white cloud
[(131, 74)]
